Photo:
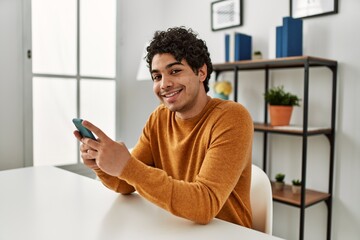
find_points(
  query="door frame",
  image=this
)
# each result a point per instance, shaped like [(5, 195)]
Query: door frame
[(27, 84)]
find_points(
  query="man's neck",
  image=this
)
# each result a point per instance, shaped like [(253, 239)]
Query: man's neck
[(197, 108)]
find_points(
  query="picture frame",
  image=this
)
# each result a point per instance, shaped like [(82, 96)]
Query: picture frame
[(312, 8), (226, 14)]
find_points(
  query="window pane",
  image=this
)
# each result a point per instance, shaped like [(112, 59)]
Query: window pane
[(54, 106), (97, 104), (54, 36), (98, 38)]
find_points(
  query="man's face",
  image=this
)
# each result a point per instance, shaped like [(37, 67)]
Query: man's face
[(176, 85)]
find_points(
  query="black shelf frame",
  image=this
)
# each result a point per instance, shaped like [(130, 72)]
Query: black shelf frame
[(305, 62)]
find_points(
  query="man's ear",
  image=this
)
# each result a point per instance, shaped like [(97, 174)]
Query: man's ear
[(202, 72)]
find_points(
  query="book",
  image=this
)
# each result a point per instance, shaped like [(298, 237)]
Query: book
[(292, 37), (227, 47), (243, 47), (232, 47), (279, 44)]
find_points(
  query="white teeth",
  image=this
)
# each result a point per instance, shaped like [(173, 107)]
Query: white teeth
[(171, 94)]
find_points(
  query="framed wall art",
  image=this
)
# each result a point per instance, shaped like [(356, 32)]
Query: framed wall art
[(312, 8), (226, 14)]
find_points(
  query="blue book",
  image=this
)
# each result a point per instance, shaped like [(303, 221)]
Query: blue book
[(243, 47), (292, 37), (227, 47), (279, 44)]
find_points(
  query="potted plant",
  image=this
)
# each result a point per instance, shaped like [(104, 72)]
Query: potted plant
[(222, 89), (279, 181), (296, 186), (280, 105)]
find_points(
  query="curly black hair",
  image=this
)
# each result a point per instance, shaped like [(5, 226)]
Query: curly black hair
[(182, 44)]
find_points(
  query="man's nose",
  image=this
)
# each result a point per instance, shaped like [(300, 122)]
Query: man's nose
[(166, 82)]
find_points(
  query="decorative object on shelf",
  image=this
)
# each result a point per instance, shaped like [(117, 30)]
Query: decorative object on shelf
[(305, 9), (238, 46), (222, 89), (279, 181), (280, 105), (296, 186), (257, 55), (226, 14), (289, 39)]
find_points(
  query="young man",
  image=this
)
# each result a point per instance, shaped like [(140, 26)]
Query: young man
[(194, 155)]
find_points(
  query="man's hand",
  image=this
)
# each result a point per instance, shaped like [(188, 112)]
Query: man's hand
[(106, 154), (84, 149)]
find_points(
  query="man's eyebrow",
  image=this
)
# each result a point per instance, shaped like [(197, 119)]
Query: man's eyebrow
[(168, 66), (172, 64)]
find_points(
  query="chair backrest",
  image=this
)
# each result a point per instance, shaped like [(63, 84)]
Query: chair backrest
[(261, 201)]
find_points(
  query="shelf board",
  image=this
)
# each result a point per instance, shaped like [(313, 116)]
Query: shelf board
[(291, 129), (287, 196), (286, 62)]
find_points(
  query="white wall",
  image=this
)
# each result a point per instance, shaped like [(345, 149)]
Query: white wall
[(11, 85), (135, 102), (334, 36)]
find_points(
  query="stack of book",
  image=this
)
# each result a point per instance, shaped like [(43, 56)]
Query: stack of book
[(237, 47), (289, 40)]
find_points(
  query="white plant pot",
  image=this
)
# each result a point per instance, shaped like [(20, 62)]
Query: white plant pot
[(296, 189), (279, 186)]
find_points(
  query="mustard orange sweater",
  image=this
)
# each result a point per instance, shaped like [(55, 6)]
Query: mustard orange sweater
[(198, 168)]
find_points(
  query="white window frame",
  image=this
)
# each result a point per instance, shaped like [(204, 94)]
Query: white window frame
[(28, 76)]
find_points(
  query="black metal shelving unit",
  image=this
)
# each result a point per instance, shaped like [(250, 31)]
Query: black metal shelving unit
[(307, 197)]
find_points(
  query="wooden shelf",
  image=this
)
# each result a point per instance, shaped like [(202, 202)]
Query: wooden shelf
[(287, 196), (291, 129), (286, 62), (305, 63)]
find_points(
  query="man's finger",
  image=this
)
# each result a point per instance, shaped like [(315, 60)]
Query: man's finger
[(101, 135), (77, 135)]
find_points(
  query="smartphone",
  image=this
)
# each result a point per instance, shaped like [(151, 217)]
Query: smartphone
[(83, 130)]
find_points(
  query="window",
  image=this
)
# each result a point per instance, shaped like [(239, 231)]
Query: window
[(74, 71)]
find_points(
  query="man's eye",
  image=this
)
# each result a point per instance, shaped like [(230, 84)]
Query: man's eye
[(156, 77), (174, 71)]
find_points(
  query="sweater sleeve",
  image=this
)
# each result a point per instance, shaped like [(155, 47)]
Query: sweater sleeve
[(227, 156), (114, 183)]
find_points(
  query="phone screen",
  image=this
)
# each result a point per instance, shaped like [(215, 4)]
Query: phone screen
[(83, 130)]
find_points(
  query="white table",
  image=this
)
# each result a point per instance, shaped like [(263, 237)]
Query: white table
[(47, 203)]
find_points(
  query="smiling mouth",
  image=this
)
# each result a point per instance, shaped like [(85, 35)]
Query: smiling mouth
[(168, 95)]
